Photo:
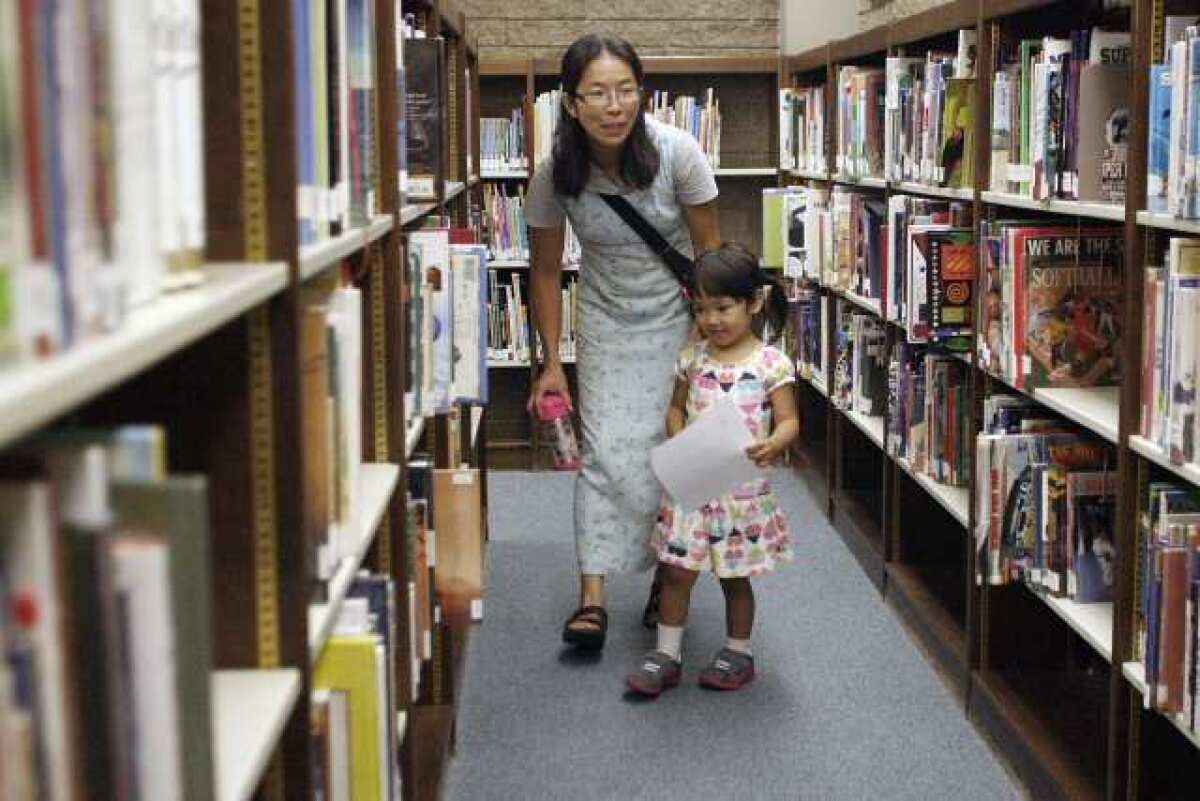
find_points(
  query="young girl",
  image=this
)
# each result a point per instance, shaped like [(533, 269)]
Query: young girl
[(743, 533)]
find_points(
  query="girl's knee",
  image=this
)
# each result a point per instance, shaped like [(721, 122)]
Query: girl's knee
[(675, 576)]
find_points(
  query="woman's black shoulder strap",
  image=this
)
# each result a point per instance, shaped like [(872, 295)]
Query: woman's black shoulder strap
[(680, 265)]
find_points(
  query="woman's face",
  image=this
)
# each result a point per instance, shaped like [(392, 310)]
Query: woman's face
[(606, 102)]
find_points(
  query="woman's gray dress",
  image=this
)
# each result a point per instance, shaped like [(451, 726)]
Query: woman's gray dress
[(632, 324)]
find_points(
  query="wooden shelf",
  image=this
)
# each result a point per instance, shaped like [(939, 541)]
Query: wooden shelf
[(415, 211), (319, 256), (808, 61), (661, 65), (871, 426), (34, 393), (811, 175), (1169, 222), (412, 435), (1135, 673), (908, 590), (376, 484), (1074, 208), (943, 19), (950, 193), (508, 264), (452, 190), (1094, 408), (250, 709), (955, 500), (812, 381), (994, 9), (1092, 622), (1188, 472), (868, 43), (504, 364)]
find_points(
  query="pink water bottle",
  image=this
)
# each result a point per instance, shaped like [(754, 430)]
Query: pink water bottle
[(557, 432)]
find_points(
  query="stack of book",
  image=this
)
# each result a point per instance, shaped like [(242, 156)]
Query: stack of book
[(1046, 501), (1169, 352), (547, 109), (860, 130), (331, 378), (502, 143), (448, 316), (1052, 303), (929, 401), (809, 310), (802, 130), (507, 236), (860, 368), (101, 169), (508, 318), (336, 158), (1167, 592), (796, 230), (1060, 117), (355, 732), (702, 119), (1171, 183), (106, 631), (929, 276), (929, 128)]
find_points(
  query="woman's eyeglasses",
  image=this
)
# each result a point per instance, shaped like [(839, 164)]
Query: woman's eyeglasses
[(602, 98)]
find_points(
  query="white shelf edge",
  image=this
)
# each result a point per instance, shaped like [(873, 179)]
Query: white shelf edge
[(870, 181), (504, 175), (868, 304), (811, 175), (319, 256), (1151, 451), (1075, 208), (476, 419), (1092, 622), (950, 193), (955, 500), (415, 211), (412, 435), (250, 709), (812, 381), (871, 426), (1169, 222), (503, 364), (733, 172), (1135, 673), (34, 393), (508, 264), (453, 189), (1095, 408), (377, 482)]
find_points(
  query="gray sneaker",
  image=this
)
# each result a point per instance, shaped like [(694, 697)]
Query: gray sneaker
[(657, 672), (729, 670)]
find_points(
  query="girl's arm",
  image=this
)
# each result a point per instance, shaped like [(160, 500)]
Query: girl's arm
[(677, 411), (787, 427)]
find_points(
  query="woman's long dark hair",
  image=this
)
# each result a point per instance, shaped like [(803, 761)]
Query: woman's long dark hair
[(571, 155), (732, 271)]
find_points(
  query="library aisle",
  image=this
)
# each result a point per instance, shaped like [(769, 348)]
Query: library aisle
[(845, 706)]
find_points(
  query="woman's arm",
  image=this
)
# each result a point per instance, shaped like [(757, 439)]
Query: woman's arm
[(677, 411), (787, 427), (704, 224), (545, 284)]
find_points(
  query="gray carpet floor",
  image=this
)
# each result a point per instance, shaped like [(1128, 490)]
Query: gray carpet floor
[(845, 707)]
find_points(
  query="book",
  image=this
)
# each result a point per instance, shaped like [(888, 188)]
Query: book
[(1104, 130), (424, 65), (348, 665), (1091, 518), (458, 570)]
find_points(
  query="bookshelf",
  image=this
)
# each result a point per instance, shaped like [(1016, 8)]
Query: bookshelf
[(1051, 681), (218, 367)]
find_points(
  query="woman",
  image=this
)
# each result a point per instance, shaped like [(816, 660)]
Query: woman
[(633, 318)]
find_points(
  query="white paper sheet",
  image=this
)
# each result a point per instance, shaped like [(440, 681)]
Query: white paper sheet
[(706, 459)]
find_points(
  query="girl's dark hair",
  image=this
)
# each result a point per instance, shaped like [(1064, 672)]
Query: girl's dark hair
[(732, 270), (571, 155)]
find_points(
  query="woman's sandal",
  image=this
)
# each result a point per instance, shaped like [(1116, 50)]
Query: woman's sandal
[(588, 639)]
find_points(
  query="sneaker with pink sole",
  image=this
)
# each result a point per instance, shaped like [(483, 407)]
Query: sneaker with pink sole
[(729, 670), (656, 672)]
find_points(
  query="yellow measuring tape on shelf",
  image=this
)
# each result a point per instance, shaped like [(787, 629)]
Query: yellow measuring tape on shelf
[(379, 397), (258, 321)]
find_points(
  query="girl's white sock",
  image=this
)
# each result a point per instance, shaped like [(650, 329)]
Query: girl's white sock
[(741, 646), (670, 640)]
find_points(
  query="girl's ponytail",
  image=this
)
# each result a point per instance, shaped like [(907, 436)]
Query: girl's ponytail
[(775, 303)]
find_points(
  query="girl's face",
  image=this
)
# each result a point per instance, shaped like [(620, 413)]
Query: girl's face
[(606, 102), (725, 320)]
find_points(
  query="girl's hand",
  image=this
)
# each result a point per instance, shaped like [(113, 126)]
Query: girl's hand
[(551, 379), (765, 453)]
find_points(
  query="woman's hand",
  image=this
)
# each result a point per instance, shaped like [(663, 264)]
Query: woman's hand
[(768, 451), (551, 379)]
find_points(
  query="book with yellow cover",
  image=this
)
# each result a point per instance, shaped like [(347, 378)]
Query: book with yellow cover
[(348, 665)]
